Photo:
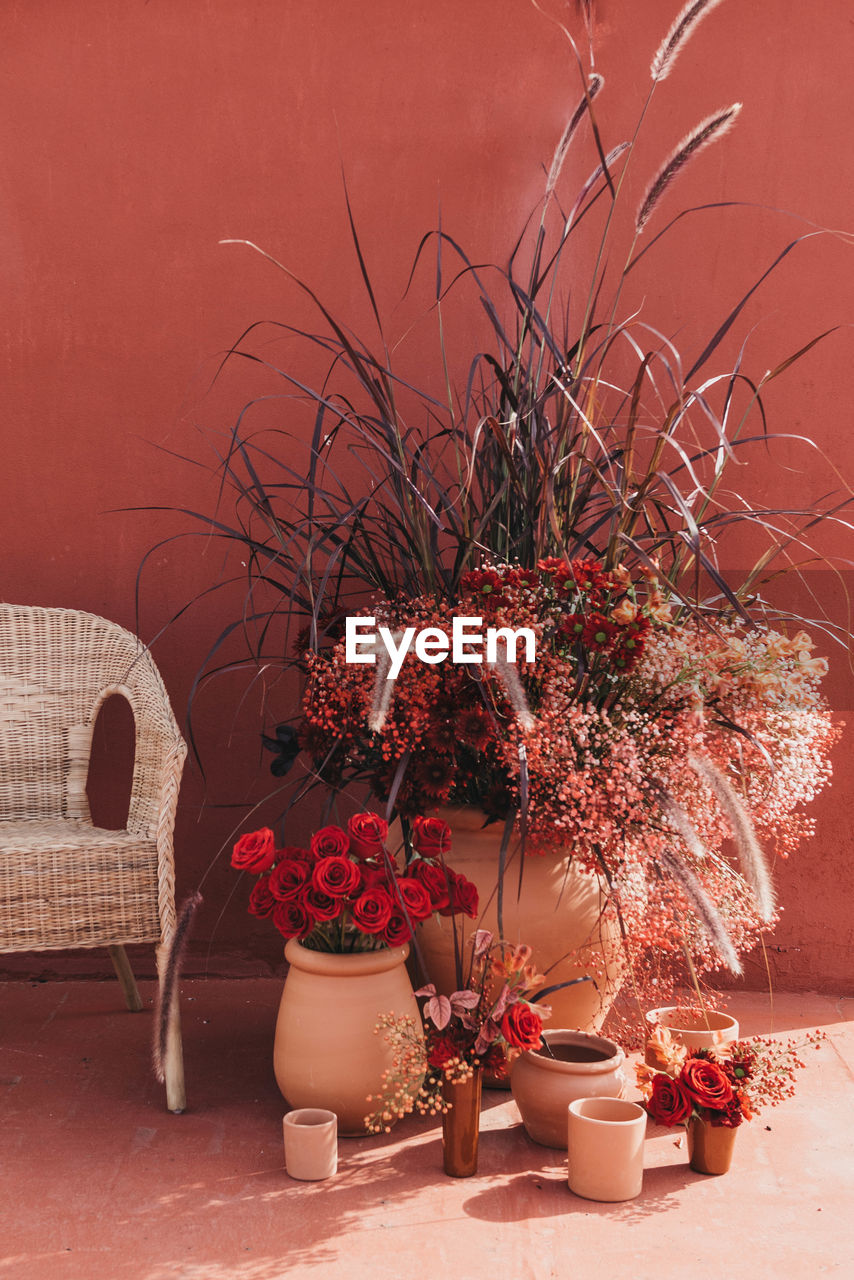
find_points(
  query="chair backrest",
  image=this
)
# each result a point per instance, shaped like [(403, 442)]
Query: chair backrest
[(57, 667)]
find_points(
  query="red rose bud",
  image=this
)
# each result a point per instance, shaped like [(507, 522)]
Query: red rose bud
[(261, 901), (521, 1027), (435, 880), (367, 835), (373, 910), (330, 842), (292, 919), (706, 1083), (254, 852), (397, 931), (337, 877), (431, 836), (668, 1104), (415, 897), (464, 897), (288, 879)]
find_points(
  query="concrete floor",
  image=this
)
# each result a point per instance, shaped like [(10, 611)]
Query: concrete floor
[(100, 1182)]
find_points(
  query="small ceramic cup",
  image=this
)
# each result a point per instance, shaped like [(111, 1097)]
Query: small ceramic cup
[(311, 1143), (605, 1138)]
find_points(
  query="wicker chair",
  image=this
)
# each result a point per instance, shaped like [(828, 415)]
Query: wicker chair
[(64, 882)]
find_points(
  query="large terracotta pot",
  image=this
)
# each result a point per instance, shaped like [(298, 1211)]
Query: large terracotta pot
[(692, 1028), (326, 1054), (558, 913), (570, 1066)]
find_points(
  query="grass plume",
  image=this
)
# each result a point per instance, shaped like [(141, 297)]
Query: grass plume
[(707, 912), (684, 25), (753, 864), (706, 132)]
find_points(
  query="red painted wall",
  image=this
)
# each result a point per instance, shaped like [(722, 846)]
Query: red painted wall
[(135, 137)]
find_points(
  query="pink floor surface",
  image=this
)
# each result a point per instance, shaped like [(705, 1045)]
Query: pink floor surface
[(99, 1182)]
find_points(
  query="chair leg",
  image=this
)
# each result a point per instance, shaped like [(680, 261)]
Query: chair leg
[(124, 973)]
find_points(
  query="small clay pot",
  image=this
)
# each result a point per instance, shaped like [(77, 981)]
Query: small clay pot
[(605, 1139), (710, 1146), (570, 1065), (695, 1029)]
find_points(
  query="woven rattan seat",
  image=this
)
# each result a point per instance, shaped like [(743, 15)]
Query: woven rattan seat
[(65, 883)]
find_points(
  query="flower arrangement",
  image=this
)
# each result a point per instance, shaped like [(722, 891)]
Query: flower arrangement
[(641, 738), (345, 892), (725, 1086), (470, 1029)]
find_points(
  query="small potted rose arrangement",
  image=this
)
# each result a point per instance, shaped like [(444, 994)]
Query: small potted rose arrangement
[(438, 1070), (346, 892), (712, 1092)]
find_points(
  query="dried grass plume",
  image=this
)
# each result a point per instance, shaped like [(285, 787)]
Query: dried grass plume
[(684, 26), (753, 865), (706, 132)]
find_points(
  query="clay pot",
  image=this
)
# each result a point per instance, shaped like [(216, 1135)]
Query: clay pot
[(461, 1126), (582, 1066), (710, 1146), (695, 1029), (326, 1054), (605, 1139), (559, 911), (311, 1144)]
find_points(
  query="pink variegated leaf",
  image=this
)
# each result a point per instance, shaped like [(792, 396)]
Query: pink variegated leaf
[(429, 990), (489, 1031), (464, 1000), (482, 942), (500, 1006), (438, 1010)]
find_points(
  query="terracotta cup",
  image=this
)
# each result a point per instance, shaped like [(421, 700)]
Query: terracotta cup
[(311, 1143), (605, 1139), (695, 1029)]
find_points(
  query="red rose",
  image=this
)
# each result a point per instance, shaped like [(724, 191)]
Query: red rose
[(288, 879), (706, 1083), (261, 901), (335, 876), (415, 897), (435, 880), (463, 897), (322, 905), (254, 852), (367, 835), (521, 1027), (373, 910), (330, 842), (397, 931), (374, 876), (668, 1103), (292, 919), (431, 836), (441, 1049)]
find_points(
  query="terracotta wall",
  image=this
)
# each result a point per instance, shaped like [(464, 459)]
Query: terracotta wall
[(135, 137)]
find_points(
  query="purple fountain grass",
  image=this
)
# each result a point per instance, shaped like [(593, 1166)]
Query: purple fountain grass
[(684, 26), (706, 132), (751, 857), (707, 912)]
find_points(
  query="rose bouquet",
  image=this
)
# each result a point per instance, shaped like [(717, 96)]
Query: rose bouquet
[(723, 1087), (345, 892)]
